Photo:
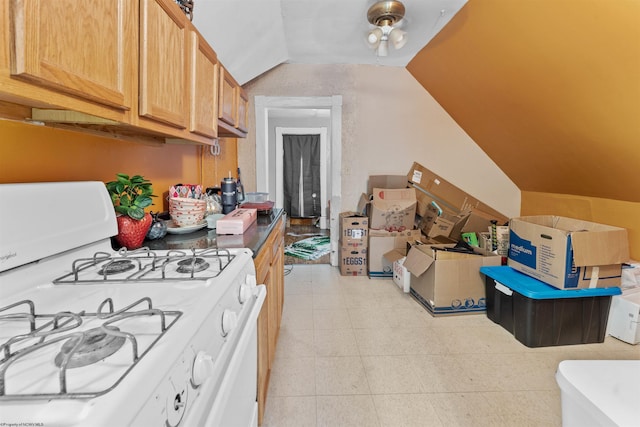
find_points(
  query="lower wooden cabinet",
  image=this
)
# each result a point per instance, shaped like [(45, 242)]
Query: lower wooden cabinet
[(270, 272)]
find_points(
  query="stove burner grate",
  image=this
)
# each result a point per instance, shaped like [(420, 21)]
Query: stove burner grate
[(82, 348), (116, 267), (91, 347), (192, 265), (148, 266)]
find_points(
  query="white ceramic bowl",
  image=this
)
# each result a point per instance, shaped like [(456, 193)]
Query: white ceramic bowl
[(186, 212), (185, 220), (183, 203)]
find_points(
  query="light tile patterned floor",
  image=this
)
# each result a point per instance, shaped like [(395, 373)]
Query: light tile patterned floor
[(355, 351)]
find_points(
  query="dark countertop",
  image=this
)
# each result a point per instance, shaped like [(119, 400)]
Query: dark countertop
[(253, 238)]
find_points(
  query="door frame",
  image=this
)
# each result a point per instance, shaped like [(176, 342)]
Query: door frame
[(322, 131), (265, 161)]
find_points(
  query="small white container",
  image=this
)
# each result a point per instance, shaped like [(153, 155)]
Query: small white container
[(256, 197), (212, 220), (401, 276)]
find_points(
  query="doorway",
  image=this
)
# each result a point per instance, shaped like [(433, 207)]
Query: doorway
[(301, 188), (272, 112)]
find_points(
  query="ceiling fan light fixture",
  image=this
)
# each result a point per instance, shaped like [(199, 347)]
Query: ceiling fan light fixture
[(391, 11), (374, 37), (383, 48), (384, 15), (398, 38)]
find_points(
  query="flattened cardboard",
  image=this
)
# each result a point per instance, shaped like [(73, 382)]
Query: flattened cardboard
[(433, 188), (392, 208), (568, 253), (448, 282)]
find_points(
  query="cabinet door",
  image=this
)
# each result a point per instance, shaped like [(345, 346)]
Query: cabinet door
[(227, 97), (204, 88), (163, 63), (243, 110), (80, 49)]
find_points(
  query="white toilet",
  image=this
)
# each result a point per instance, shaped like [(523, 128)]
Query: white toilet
[(599, 392)]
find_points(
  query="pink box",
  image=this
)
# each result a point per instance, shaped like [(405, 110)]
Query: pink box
[(237, 221)]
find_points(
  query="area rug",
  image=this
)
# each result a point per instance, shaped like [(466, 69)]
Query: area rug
[(311, 248)]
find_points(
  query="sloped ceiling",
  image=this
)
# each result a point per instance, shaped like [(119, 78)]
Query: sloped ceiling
[(549, 89), (253, 36)]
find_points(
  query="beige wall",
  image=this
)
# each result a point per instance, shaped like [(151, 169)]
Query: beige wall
[(388, 121)]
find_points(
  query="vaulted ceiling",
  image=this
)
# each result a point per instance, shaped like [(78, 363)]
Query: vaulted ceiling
[(253, 36), (549, 89)]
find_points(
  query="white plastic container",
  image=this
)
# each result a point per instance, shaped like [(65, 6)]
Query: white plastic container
[(256, 197), (599, 392), (624, 316)]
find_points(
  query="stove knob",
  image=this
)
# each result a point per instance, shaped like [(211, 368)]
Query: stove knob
[(244, 293), (176, 405), (202, 368), (229, 321), (251, 280)]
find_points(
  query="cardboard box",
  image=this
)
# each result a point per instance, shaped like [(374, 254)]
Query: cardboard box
[(353, 260), (354, 228), (401, 275), (386, 181), (392, 208), (379, 181), (386, 247), (448, 282), (431, 188), (568, 253)]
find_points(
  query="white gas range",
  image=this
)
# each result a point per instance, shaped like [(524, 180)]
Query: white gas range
[(93, 336)]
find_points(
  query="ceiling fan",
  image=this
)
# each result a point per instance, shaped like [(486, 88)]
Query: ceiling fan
[(385, 15)]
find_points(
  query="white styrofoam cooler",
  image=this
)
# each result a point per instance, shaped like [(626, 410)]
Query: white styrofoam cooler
[(401, 276), (624, 317), (599, 392)]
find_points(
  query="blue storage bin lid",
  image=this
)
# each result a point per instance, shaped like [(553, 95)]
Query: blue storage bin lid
[(535, 289)]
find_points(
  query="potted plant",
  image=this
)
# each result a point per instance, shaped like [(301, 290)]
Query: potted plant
[(130, 195)]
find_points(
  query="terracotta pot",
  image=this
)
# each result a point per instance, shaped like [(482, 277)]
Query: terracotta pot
[(131, 232)]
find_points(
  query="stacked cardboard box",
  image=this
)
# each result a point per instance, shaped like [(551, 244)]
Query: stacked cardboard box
[(391, 207), (568, 253), (354, 242)]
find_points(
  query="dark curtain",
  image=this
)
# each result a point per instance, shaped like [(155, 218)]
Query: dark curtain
[(301, 175)]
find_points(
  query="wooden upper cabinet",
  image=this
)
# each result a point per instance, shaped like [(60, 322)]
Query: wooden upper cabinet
[(204, 88), (233, 107), (164, 63), (227, 106), (243, 110), (81, 50), (137, 69)]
